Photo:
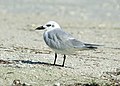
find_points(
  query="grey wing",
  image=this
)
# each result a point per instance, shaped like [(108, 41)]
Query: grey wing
[(76, 43), (80, 45), (58, 39), (66, 40)]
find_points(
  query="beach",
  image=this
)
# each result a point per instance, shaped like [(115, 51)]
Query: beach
[(24, 55)]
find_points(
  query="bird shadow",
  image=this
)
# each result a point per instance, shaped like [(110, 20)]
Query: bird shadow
[(38, 62)]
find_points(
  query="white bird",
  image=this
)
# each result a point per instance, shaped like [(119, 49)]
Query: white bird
[(62, 42)]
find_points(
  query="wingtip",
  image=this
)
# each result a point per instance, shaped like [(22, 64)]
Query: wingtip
[(92, 46)]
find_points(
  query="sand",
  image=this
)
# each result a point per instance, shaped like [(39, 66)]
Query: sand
[(24, 55)]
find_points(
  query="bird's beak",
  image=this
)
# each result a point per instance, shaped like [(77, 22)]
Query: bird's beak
[(40, 28)]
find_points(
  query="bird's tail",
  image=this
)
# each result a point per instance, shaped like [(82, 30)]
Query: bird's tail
[(92, 46)]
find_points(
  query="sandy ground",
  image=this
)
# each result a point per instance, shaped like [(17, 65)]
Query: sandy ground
[(30, 59)]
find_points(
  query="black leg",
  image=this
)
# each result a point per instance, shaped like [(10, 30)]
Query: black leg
[(55, 58), (64, 60)]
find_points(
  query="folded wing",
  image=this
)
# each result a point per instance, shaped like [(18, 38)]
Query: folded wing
[(59, 39)]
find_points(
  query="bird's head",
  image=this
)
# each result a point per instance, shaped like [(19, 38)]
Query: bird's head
[(49, 26)]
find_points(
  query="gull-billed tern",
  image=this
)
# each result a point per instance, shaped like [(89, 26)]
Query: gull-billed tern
[(62, 42)]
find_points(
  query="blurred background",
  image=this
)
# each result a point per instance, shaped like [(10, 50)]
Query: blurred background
[(102, 13)]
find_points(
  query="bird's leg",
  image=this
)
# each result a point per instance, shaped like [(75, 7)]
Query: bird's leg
[(55, 58), (64, 60)]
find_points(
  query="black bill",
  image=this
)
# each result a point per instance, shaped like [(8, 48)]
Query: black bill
[(40, 28)]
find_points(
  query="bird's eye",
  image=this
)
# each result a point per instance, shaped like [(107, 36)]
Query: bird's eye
[(52, 25), (48, 25)]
